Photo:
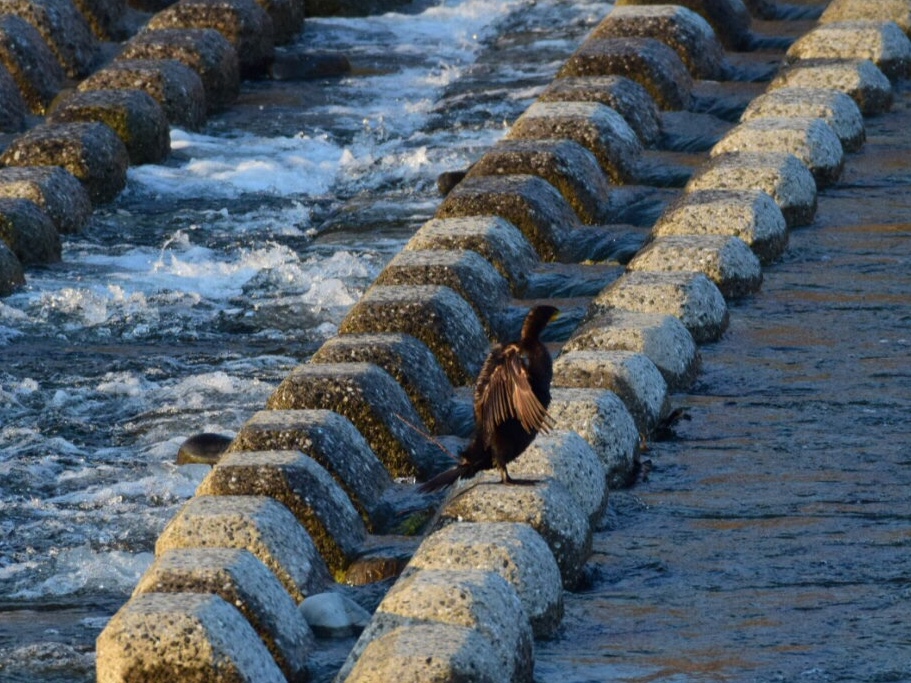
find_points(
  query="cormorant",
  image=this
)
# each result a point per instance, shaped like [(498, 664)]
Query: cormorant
[(510, 403)]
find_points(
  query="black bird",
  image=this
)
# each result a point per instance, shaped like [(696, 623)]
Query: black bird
[(510, 403)]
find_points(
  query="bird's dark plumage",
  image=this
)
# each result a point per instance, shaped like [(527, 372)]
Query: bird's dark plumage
[(510, 403)]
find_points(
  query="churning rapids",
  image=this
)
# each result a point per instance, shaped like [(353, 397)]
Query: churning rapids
[(185, 302)]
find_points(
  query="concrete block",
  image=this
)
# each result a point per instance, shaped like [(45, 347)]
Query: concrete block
[(751, 215), (375, 403), (514, 551), (204, 50), (809, 139), (545, 505), (174, 85), (409, 361), (190, 637), (593, 125), (28, 232), (780, 174), (464, 272), (428, 653), (59, 194), (882, 42), (259, 524), (136, 118), (11, 274), (433, 314), (241, 580), (64, 30), (12, 106), (245, 25), (624, 95), (832, 106), (104, 17), (494, 238), (725, 260), (534, 206), (859, 79), (662, 338), (300, 484), (691, 297), (681, 29), (480, 600), (92, 152), (647, 61), (730, 19), (565, 164), (632, 376), (898, 11), (30, 62), (568, 458)]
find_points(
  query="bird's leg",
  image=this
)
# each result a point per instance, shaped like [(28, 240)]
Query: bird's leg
[(504, 475)]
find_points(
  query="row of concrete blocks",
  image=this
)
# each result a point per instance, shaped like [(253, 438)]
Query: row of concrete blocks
[(490, 577)]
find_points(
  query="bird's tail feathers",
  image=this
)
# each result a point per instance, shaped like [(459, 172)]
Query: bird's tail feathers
[(449, 477)]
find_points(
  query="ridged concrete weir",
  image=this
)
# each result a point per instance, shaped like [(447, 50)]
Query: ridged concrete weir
[(286, 514)]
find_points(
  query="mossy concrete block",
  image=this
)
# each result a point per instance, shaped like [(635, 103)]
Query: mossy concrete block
[(725, 260), (259, 524), (604, 421), (632, 376), (287, 18), (834, 107), (681, 29), (301, 485), (859, 79), (662, 338), (545, 505), (647, 61), (241, 580), (333, 442), (104, 17), (781, 175), (190, 637), (31, 63), (204, 50), (598, 128), (465, 272), (138, 120), (534, 206), (28, 232), (729, 18), (809, 139), (56, 191), (471, 598), (92, 152), (624, 95), (898, 11), (245, 25), (428, 653), (374, 402), (751, 215), (570, 459), (494, 238), (882, 42), (514, 551), (565, 164), (64, 30), (436, 315), (11, 274), (408, 360), (176, 87)]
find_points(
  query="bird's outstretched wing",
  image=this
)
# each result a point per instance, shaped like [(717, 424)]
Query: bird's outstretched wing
[(504, 392)]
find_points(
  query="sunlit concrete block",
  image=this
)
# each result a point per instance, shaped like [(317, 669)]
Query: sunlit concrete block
[(779, 174), (259, 524), (729, 18), (243, 581), (645, 60), (898, 11), (65, 31), (300, 484), (28, 232), (882, 42), (30, 62), (859, 79)]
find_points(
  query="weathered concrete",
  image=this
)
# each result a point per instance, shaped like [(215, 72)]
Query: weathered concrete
[(30, 61), (28, 232), (751, 215), (898, 11), (287, 17), (860, 79), (104, 17), (729, 18), (241, 580), (12, 277), (64, 30), (882, 42), (56, 191), (12, 106), (259, 524)]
